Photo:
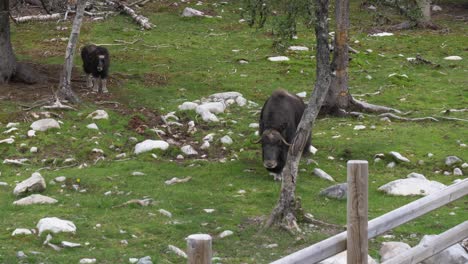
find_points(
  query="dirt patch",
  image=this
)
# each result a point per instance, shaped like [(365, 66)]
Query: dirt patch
[(155, 79)]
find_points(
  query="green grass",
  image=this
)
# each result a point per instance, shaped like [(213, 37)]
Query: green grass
[(186, 59)]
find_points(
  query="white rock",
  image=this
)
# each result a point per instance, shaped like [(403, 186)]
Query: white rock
[(455, 254), (67, 244), (254, 125), (313, 149), (15, 161), (44, 124), (188, 150), (457, 172), (3, 184), (226, 140), (209, 137), (31, 133), (341, 258), (22, 231), (92, 126), (321, 174), (98, 114), (436, 8), (177, 251), (278, 58), (149, 145), (96, 150), (60, 179), (453, 58), (55, 225), (133, 260), (398, 157), (7, 141), (209, 210), (225, 95), (451, 160), (33, 150), (412, 186), (190, 12), (165, 212), (187, 106), (464, 165), (241, 101), (298, 48), (302, 94), (226, 233), (416, 175), (359, 127), (10, 130), (87, 260), (138, 173), (391, 165), (35, 199), (144, 260), (430, 155), (392, 249), (180, 157), (212, 107), (383, 34), (205, 145), (207, 116), (35, 183), (9, 125)]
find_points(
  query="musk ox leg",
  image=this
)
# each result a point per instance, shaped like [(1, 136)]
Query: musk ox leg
[(276, 176), (89, 81), (96, 85), (104, 86)]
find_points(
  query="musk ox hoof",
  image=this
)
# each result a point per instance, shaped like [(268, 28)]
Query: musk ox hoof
[(276, 176)]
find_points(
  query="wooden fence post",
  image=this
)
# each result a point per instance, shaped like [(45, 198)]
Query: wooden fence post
[(199, 249), (356, 243)]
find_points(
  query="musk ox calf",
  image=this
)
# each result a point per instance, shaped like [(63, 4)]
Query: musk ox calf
[(279, 119), (96, 63)]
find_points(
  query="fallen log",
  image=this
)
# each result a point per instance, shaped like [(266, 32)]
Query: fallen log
[(37, 18), (141, 20)]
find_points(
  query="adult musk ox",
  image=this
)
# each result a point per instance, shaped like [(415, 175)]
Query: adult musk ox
[(279, 119), (96, 63)]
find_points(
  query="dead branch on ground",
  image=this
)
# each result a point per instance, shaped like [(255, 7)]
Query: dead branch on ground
[(37, 18)]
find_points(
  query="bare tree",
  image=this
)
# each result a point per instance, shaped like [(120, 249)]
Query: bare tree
[(65, 90), (7, 57)]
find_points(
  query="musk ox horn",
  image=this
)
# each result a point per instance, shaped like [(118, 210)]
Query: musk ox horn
[(285, 142), (257, 141)]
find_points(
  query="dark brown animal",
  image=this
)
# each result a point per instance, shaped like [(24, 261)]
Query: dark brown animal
[(96, 64), (279, 119)]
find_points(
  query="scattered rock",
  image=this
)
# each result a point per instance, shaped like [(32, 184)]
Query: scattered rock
[(457, 172), (302, 94), (416, 175), (67, 244), (321, 174), (21, 255), (359, 127), (313, 149), (209, 211), (165, 212), (177, 180), (35, 183), (149, 145), (254, 125), (225, 96), (298, 48), (35, 199), (209, 137), (278, 58), (453, 58), (190, 12), (338, 191), (92, 126), (392, 249), (98, 114), (87, 260), (138, 173), (211, 107), (241, 101), (226, 140), (44, 124), (412, 186), (23, 231), (382, 34), (144, 260), (33, 150), (3, 184), (60, 179), (226, 233), (455, 254), (436, 8), (464, 165), (341, 258), (398, 157), (7, 141), (31, 133), (188, 150), (205, 145), (187, 106), (10, 125), (15, 161), (177, 251), (55, 225), (452, 160)]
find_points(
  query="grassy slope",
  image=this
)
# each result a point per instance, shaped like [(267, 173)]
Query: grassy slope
[(196, 59)]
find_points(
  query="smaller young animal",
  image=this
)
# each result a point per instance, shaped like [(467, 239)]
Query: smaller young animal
[(96, 64)]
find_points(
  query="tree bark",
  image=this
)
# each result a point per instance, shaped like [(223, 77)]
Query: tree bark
[(425, 8), (338, 96), (65, 90), (7, 57), (285, 212)]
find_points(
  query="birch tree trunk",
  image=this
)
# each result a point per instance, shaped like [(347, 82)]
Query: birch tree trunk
[(7, 57), (285, 212), (65, 90), (425, 8)]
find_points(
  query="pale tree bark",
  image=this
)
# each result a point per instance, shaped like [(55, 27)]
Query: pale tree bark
[(285, 212), (7, 57), (65, 90)]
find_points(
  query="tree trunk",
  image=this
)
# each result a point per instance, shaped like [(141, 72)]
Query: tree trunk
[(285, 212), (66, 91), (425, 8), (338, 96), (7, 57)]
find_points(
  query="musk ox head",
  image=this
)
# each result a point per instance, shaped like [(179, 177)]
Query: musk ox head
[(101, 62), (274, 147)]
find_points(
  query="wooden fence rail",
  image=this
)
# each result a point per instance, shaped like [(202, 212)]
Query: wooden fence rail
[(336, 244)]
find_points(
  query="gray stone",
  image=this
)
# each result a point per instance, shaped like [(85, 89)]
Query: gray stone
[(412, 186), (35, 199), (341, 258), (455, 254), (189, 150), (321, 174), (190, 12), (391, 165), (226, 140), (35, 183), (22, 231), (55, 225), (98, 114), (145, 260), (452, 160), (21, 255), (149, 145), (60, 179), (44, 124), (392, 249), (398, 157), (416, 175), (457, 172), (338, 191)]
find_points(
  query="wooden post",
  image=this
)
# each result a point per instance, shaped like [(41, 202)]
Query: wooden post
[(424, 251), (199, 249), (357, 212)]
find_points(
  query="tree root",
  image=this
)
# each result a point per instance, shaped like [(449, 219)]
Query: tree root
[(371, 108)]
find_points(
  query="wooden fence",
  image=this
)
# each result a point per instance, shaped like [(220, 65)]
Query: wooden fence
[(355, 240)]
